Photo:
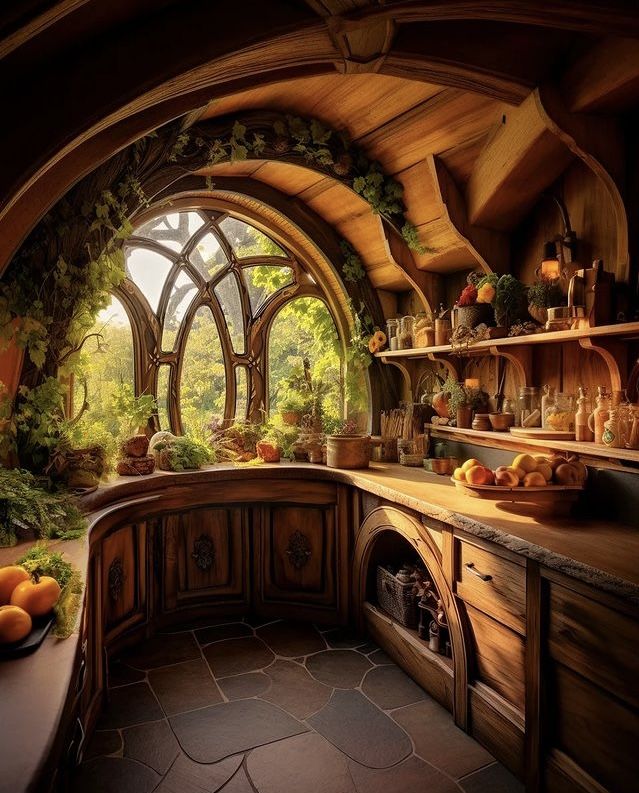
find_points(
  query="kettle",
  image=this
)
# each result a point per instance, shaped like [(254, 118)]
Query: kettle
[(593, 288)]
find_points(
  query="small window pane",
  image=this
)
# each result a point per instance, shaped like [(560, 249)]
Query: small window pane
[(203, 380), (163, 396), (247, 240), (241, 392), (182, 294), (105, 369), (228, 293), (173, 230), (148, 271), (303, 346), (208, 256), (263, 281)]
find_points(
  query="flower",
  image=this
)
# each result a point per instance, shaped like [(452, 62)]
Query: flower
[(486, 293)]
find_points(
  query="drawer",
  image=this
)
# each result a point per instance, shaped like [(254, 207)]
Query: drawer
[(595, 641), (498, 656), (492, 584)]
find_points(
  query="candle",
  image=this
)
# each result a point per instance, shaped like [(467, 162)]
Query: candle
[(472, 382)]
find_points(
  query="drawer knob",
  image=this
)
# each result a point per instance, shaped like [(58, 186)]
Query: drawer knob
[(470, 566)]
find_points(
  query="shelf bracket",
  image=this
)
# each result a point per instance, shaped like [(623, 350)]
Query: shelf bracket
[(450, 365), (614, 354), (407, 369), (519, 357)]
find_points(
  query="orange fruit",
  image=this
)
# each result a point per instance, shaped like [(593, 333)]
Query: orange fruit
[(470, 464), (15, 624), (10, 577), (37, 598)]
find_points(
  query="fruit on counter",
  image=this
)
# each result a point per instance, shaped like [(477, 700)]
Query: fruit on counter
[(535, 479), (479, 475), (10, 577), (506, 477), (459, 475), (555, 459), (526, 462), (36, 596), (545, 470), (471, 464), (567, 474), (15, 624)]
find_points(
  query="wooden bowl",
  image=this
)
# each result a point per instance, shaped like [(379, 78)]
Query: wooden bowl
[(551, 499), (502, 422)]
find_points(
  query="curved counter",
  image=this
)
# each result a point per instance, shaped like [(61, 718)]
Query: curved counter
[(43, 692)]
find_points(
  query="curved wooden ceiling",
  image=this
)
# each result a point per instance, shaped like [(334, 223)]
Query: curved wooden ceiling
[(420, 85)]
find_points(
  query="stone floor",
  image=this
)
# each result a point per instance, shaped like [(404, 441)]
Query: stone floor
[(241, 707)]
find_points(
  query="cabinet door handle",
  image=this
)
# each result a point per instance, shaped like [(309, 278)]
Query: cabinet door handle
[(470, 566)]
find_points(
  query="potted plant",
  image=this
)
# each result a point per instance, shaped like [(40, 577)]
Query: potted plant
[(510, 301), (181, 454), (543, 295), (347, 448), (473, 306), (459, 403), (292, 407)]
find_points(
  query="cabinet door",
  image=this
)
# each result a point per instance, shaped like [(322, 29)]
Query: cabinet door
[(297, 560), (205, 558), (124, 595)]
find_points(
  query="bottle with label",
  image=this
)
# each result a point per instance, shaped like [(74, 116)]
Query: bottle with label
[(610, 436), (600, 414), (583, 432)]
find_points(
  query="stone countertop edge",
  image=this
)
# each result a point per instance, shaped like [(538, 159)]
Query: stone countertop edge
[(114, 492)]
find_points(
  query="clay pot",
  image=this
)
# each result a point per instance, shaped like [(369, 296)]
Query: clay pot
[(464, 417), (538, 313), (348, 451), (268, 452), (137, 446), (136, 466), (291, 418)]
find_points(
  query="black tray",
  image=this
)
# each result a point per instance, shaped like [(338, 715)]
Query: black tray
[(41, 626)]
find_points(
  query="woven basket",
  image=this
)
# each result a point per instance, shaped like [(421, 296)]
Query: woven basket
[(397, 599), (471, 316)]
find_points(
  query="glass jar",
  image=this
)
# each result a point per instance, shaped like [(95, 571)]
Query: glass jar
[(424, 332), (392, 333), (560, 414), (529, 406), (406, 330)]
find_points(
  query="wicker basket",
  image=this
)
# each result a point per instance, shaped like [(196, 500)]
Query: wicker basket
[(397, 599)]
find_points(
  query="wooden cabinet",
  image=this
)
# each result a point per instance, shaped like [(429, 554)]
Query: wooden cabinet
[(300, 558), (590, 722), (203, 555), (123, 576)]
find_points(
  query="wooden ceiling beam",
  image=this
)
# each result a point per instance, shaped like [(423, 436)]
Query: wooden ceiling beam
[(519, 162), (614, 17), (605, 79), (35, 25)]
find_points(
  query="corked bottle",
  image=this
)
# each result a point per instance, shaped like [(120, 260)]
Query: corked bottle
[(583, 433), (600, 414)]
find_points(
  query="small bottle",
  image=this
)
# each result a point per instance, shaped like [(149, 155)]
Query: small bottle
[(547, 399), (610, 436), (600, 414), (529, 407), (583, 433)]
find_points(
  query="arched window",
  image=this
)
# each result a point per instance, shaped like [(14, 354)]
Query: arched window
[(226, 321)]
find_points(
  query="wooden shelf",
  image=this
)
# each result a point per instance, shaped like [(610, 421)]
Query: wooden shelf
[(508, 441), (627, 330), (387, 625)]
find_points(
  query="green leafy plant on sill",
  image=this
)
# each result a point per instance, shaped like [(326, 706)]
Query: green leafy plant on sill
[(41, 560), (183, 454), (135, 411), (28, 508)]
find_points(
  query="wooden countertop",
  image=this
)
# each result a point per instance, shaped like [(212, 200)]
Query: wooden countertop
[(35, 688)]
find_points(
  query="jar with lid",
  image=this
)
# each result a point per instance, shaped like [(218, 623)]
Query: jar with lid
[(547, 399), (529, 406), (560, 414), (392, 333), (406, 331), (424, 335)]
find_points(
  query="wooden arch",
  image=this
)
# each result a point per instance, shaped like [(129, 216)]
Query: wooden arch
[(389, 519)]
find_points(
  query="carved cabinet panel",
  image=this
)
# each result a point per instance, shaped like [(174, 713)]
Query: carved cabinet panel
[(204, 558), (296, 561), (123, 579)]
